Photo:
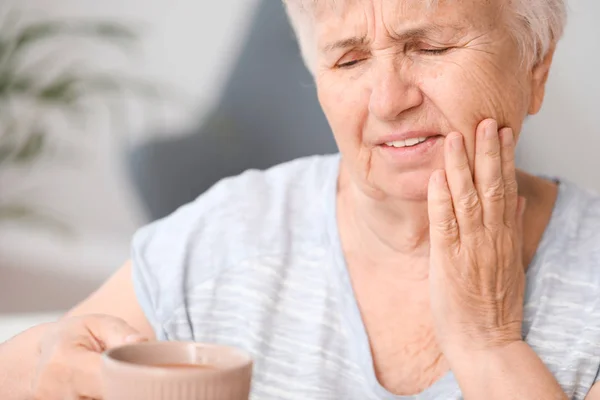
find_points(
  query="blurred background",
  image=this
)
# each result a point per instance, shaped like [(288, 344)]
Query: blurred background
[(114, 113)]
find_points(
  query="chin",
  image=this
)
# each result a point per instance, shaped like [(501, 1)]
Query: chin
[(407, 186)]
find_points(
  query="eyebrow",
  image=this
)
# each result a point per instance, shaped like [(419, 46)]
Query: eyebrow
[(345, 44), (363, 41)]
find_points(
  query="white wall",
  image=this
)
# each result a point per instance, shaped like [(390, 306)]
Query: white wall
[(564, 139), (188, 44)]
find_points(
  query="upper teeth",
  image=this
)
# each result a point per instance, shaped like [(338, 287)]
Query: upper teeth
[(407, 142)]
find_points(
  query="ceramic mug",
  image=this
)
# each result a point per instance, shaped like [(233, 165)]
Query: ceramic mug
[(176, 371)]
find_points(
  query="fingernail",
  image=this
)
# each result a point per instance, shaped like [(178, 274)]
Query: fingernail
[(456, 143), (135, 338), (491, 129)]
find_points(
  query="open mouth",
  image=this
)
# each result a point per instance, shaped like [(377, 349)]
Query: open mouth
[(412, 142)]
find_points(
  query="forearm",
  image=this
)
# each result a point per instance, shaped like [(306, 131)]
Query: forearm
[(18, 360), (514, 372)]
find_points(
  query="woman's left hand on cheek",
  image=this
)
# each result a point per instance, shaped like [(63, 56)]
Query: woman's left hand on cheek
[(477, 277)]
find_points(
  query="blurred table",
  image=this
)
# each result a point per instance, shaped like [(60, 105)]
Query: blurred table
[(13, 324)]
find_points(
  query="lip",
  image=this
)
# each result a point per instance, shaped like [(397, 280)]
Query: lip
[(406, 135), (411, 157)]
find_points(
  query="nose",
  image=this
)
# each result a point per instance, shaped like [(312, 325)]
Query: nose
[(393, 92)]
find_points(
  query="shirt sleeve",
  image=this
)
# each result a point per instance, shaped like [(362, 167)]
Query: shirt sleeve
[(144, 280), (173, 255)]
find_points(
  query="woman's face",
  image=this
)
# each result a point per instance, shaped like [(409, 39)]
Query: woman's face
[(391, 72)]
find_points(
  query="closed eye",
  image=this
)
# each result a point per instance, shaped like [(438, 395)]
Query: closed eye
[(435, 51), (349, 64)]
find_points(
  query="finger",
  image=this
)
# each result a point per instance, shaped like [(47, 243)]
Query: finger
[(511, 188), (488, 174), (87, 382), (111, 332), (467, 207), (521, 206), (72, 372), (443, 228)]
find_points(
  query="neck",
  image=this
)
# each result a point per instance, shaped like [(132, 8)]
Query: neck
[(394, 232), (382, 230)]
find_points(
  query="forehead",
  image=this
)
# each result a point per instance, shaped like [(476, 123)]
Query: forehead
[(341, 5), (403, 11)]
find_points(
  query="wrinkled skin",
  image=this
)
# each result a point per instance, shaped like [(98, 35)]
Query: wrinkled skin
[(396, 83)]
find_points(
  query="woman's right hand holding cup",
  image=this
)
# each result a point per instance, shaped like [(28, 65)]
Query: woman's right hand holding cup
[(70, 365)]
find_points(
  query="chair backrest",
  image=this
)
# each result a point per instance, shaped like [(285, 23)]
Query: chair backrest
[(268, 114)]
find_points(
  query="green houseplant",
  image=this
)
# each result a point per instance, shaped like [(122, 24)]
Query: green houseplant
[(65, 91)]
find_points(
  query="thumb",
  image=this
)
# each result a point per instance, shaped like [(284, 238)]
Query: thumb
[(112, 332), (443, 227)]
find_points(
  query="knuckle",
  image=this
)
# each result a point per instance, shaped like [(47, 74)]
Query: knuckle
[(511, 187), (509, 224), (447, 227), (469, 204), (463, 166), (495, 191), (494, 154)]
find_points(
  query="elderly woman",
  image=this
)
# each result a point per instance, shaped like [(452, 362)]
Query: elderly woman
[(416, 264)]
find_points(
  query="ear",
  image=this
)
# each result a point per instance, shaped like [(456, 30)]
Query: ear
[(539, 77)]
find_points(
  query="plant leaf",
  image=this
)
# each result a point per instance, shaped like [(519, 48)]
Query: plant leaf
[(61, 90), (6, 150), (103, 84), (21, 212), (109, 32), (12, 85), (32, 148), (69, 88), (14, 211), (4, 46), (8, 137)]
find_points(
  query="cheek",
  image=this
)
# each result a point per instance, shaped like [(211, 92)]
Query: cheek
[(465, 96), (344, 105), (452, 96), (458, 95)]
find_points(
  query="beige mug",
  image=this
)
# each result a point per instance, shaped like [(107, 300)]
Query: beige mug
[(176, 371)]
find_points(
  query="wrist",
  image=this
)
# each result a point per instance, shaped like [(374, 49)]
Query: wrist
[(504, 372), (481, 342), (18, 362), (480, 362)]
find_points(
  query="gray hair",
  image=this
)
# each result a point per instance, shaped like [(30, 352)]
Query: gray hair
[(537, 26)]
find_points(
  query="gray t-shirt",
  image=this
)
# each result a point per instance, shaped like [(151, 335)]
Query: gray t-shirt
[(256, 262)]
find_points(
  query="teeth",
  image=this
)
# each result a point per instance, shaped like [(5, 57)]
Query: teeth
[(412, 142), (398, 143), (407, 143)]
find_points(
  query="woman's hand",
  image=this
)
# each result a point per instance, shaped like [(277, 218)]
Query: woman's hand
[(70, 356), (476, 268)]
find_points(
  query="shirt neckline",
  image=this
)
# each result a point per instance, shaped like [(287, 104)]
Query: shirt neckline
[(445, 387)]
